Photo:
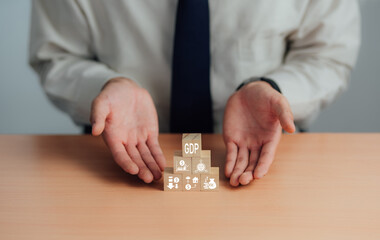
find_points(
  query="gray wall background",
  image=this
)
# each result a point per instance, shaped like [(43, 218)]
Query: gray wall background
[(24, 109)]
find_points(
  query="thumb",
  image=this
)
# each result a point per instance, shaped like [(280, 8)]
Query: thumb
[(284, 114), (99, 112)]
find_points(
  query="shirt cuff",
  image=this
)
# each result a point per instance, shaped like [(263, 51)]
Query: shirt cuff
[(264, 79)]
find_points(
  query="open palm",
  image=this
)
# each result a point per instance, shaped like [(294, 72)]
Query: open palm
[(252, 130), (125, 114)]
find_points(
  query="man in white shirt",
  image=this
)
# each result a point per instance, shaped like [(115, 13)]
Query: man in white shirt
[(112, 61)]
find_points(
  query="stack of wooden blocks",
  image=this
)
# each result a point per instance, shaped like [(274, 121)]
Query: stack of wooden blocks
[(191, 169)]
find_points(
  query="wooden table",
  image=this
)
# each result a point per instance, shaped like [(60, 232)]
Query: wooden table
[(321, 186)]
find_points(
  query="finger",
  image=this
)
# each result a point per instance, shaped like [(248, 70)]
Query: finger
[(247, 176), (285, 115), (266, 158), (122, 158), (144, 172), (99, 113), (156, 151), (230, 159), (149, 160), (240, 166)]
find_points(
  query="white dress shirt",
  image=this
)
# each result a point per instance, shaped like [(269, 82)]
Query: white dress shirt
[(308, 47)]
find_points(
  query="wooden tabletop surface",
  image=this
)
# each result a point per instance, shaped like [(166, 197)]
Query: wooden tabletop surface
[(321, 186)]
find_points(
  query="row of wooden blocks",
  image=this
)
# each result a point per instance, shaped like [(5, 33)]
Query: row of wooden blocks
[(191, 169), (191, 182)]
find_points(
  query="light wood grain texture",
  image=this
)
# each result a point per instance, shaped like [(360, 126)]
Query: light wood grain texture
[(320, 186), (201, 165), (191, 182), (191, 144), (210, 181), (181, 164), (172, 181)]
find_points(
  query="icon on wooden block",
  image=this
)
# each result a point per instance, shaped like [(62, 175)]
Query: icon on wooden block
[(202, 164), (181, 164), (172, 181), (191, 182), (210, 181), (191, 145)]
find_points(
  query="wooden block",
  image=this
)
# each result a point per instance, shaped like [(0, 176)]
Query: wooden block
[(191, 182), (201, 164), (172, 181), (181, 164), (210, 181), (206, 154), (191, 144)]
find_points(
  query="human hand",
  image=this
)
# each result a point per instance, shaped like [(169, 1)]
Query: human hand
[(252, 125), (125, 115)]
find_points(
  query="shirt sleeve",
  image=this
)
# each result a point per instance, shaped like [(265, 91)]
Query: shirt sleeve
[(61, 52), (321, 54)]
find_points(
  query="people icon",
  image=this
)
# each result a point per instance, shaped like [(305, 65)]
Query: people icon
[(201, 167)]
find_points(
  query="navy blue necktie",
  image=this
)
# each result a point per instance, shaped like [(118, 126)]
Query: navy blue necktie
[(191, 108)]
